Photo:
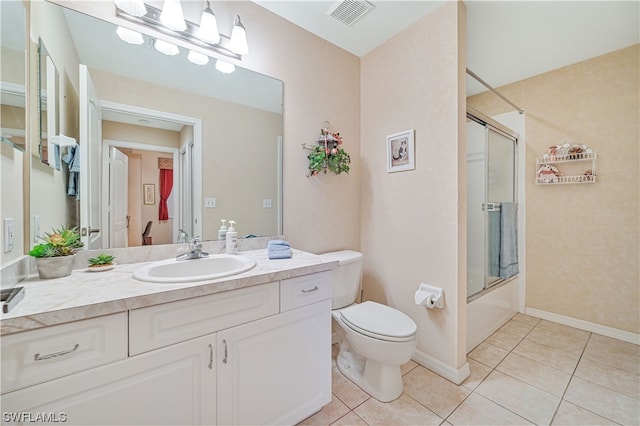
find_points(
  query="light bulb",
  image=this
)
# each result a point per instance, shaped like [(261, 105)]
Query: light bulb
[(166, 48), (225, 67), (132, 7), (172, 17), (197, 58), (208, 30), (238, 42), (130, 36)]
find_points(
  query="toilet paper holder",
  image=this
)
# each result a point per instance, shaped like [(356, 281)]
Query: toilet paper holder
[(429, 296)]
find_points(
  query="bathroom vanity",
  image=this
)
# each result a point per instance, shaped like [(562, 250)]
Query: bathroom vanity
[(254, 348)]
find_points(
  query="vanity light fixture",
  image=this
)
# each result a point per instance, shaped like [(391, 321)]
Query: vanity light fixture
[(208, 30), (191, 33), (167, 48), (225, 67), (238, 41), (197, 58), (132, 7), (129, 36), (172, 16)]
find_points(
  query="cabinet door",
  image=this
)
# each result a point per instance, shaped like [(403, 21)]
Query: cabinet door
[(174, 385), (276, 370)]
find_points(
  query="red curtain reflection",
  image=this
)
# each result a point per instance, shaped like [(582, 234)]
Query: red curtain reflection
[(166, 184)]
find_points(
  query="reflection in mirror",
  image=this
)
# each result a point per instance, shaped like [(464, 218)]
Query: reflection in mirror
[(218, 135), (47, 104), (12, 73)]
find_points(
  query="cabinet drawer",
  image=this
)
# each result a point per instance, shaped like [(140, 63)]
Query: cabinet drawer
[(162, 325), (301, 291), (47, 353)]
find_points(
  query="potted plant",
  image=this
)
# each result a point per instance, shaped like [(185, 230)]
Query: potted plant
[(328, 154), (102, 262), (54, 257)]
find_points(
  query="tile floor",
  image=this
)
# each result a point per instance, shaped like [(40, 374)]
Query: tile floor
[(530, 371)]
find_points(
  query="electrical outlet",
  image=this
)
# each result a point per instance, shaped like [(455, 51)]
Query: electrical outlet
[(8, 233), (209, 202), (267, 203)]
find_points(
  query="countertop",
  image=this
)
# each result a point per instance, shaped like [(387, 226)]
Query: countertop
[(86, 294)]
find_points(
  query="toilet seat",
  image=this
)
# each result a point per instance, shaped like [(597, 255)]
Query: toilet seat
[(379, 321)]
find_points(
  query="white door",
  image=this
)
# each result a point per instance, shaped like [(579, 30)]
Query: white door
[(118, 196), (90, 162)]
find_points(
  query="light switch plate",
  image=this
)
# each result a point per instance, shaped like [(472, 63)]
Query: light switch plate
[(209, 202), (267, 203), (8, 235)]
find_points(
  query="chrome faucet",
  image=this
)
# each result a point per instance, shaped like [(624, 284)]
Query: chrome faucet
[(183, 236), (195, 250)]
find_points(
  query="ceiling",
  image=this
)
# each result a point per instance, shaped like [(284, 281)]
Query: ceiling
[(507, 41)]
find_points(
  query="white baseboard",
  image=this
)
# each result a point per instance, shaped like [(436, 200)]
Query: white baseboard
[(626, 336), (456, 376)]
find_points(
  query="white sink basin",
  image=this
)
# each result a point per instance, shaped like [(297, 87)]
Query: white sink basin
[(206, 268)]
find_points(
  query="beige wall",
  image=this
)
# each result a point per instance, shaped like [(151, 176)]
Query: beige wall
[(413, 222), (11, 166), (583, 241)]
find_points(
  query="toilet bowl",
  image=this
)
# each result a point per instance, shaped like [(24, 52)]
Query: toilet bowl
[(374, 339)]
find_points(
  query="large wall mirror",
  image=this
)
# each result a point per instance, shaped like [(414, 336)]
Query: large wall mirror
[(12, 73), (140, 128)]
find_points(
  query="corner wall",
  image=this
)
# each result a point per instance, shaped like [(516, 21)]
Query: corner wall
[(583, 241), (414, 222)]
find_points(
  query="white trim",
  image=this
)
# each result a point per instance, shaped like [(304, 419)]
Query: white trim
[(197, 155), (107, 144), (456, 376), (604, 330)]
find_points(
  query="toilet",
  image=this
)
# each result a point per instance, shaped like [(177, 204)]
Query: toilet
[(374, 339)]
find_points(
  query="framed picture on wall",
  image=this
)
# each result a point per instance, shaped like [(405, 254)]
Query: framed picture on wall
[(400, 151), (149, 191)]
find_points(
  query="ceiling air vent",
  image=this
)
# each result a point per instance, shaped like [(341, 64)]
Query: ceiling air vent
[(349, 11)]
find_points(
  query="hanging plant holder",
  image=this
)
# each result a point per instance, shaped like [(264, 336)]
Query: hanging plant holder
[(327, 155)]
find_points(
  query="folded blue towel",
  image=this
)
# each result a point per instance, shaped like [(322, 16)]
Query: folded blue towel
[(279, 243), (278, 249)]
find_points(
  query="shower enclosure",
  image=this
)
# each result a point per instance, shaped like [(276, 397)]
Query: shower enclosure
[(491, 182), (492, 195)]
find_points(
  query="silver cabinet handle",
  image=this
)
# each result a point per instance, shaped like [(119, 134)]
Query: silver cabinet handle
[(226, 353), (311, 290), (210, 356), (37, 357)]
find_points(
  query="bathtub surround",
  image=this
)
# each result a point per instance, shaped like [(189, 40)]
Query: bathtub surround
[(583, 241)]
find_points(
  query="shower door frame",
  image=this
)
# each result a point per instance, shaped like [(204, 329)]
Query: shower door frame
[(491, 125)]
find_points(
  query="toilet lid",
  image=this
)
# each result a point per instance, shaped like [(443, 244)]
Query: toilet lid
[(380, 321)]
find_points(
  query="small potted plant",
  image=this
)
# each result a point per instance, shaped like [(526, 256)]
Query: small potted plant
[(54, 257), (102, 262)]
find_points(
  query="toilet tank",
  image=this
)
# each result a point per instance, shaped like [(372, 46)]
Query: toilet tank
[(346, 277)]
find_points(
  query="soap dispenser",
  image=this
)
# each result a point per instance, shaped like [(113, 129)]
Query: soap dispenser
[(222, 232), (232, 238)]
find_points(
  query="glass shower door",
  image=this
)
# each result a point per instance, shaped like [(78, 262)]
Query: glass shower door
[(491, 177), (500, 189)]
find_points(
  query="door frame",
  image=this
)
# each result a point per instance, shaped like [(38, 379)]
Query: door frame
[(196, 189)]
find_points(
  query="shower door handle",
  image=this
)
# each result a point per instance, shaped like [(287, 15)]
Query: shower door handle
[(491, 207)]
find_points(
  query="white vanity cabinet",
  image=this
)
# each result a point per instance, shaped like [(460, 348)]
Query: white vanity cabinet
[(276, 370), (173, 385), (253, 355)]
